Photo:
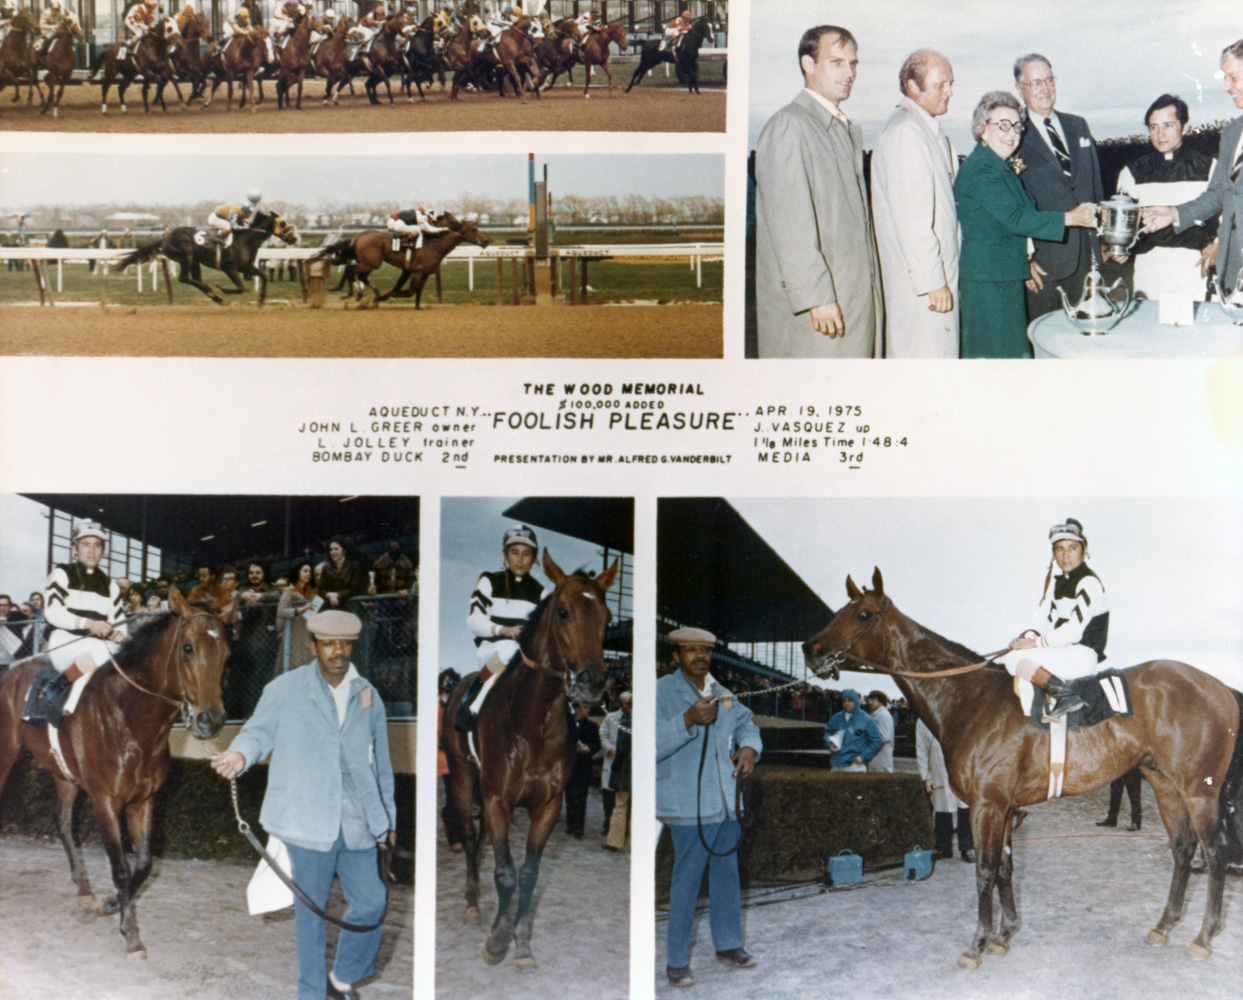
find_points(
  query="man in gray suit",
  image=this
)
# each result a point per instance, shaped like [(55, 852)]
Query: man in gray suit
[(1225, 188), (1062, 171), (913, 171), (817, 286)]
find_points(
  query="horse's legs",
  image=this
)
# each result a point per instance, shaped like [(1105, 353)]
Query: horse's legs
[(497, 818), (189, 274), (587, 82), (138, 817), (66, 796), (232, 273), (638, 73), (987, 826), (609, 73), (108, 819), (1183, 844), (1000, 943), (1205, 814), (543, 820), (462, 790)]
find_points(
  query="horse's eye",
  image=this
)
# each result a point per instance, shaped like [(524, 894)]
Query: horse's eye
[(562, 613), (188, 649), (864, 615)]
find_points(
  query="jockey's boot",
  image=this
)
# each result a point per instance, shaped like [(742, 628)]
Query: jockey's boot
[(46, 702), (1065, 699), (464, 721)]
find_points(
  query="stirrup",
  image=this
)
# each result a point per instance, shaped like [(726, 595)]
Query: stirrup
[(1064, 704)]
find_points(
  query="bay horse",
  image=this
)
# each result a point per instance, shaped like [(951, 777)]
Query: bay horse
[(526, 740), (555, 51), (330, 60), (60, 62), (238, 59), (594, 51), (684, 56), (235, 260), (293, 59), (382, 57), (423, 62), (364, 254), (1183, 734), (460, 54), (151, 57), (17, 61), (115, 744), (188, 57)]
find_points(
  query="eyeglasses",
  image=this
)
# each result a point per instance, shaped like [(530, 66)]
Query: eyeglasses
[(1045, 83), (1008, 126)]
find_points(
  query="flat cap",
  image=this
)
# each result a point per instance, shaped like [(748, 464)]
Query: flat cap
[(335, 625), (692, 637)]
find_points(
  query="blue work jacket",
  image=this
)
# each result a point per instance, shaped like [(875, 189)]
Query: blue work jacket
[(861, 739), (678, 751), (296, 722)]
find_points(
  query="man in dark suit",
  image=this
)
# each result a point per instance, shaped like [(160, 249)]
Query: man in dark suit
[(580, 777), (1062, 171), (1225, 188)]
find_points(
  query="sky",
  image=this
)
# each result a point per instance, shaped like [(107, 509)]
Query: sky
[(1111, 58), (69, 179), (471, 530), (972, 570), (23, 546)]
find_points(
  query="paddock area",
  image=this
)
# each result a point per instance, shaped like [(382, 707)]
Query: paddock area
[(1087, 895), (581, 937), (201, 941)]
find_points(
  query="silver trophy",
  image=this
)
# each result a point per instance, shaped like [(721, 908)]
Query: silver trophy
[(1231, 304), (1119, 224), (1096, 312)]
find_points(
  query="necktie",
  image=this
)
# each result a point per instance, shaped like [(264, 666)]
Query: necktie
[(1238, 166), (1059, 147)]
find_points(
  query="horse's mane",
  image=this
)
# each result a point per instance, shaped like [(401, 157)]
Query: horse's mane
[(142, 641), (957, 648), (532, 622)]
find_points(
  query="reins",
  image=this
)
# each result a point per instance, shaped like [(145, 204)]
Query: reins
[(183, 706)]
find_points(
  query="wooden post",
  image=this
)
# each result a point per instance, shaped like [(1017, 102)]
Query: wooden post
[(500, 281), (40, 273), (439, 291), (168, 281), (302, 281), (583, 301), (513, 273), (573, 281), (317, 275)]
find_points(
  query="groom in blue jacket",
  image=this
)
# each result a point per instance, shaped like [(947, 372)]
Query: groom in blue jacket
[(852, 735), (329, 797)]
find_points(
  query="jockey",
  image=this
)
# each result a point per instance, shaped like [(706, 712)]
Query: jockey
[(502, 19), (184, 15), (499, 608), (366, 29), (87, 618), (322, 27), (1074, 623), (238, 24), (51, 18), (8, 10), (674, 31), (224, 219), (586, 24), (412, 224), (285, 20)]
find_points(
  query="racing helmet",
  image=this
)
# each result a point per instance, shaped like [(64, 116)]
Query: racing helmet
[(254, 196), (89, 529), (520, 534), (1069, 530), (243, 15)]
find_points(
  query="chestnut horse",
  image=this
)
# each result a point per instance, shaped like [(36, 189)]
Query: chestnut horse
[(330, 60), (17, 61), (594, 51), (293, 59), (526, 740), (60, 62), (367, 252), (151, 57), (515, 51), (1183, 735), (239, 58), (115, 744)]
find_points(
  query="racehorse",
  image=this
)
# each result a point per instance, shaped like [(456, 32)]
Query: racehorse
[(383, 57), (460, 55), (555, 51), (1183, 734), (330, 61), (115, 744), (594, 51), (150, 57), (423, 62), (241, 56), (515, 51), (366, 252), (188, 57), (60, 62), (685, 55), (294, 58), (17, 61), (526, 739), (235, 260)]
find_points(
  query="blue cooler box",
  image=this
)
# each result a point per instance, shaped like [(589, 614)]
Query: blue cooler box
[(845, 867), (918, 863)]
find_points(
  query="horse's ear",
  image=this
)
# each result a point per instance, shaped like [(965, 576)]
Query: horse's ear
[(878, 584), (605, 579), (554, 572), (852, 589), (176, 602), (228, 611)]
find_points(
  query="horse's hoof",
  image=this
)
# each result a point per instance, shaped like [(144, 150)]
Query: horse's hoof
[(139, 952), (996, 948), (124, 110), (1198, 951), (86, 915), (1156, 937), (472, 914), (103, 110), (968, 962), (489, 957), (526, 965), (86, 900)]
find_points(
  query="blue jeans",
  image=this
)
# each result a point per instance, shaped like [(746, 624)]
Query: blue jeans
[(724, 892), (366, 895)]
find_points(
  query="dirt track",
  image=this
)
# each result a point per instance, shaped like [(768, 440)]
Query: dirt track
[(245, 331), (559, 110), (193, 920)]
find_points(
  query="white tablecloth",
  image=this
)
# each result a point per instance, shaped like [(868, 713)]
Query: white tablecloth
[(1139, 335)]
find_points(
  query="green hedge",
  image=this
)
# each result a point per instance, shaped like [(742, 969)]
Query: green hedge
[(802, 815), (193, 815)]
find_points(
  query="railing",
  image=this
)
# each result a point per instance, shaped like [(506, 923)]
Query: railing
[(264, 646)]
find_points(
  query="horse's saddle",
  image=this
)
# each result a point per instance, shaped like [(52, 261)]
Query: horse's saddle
[(1106, 695)]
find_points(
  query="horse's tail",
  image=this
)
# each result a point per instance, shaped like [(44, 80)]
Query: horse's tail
[(341, 252), (1232, 792), (141, 255)]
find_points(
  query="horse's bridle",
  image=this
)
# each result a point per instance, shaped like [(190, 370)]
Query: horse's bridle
[(184, 705), (840, 656)]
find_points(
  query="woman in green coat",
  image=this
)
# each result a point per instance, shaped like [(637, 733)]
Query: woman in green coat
[(997, 216)]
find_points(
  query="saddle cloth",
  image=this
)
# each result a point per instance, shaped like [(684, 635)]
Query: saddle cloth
[(203, 237), (1106, 694)]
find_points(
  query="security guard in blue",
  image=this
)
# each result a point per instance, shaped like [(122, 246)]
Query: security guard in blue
[(329, 797), (705, 743)]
